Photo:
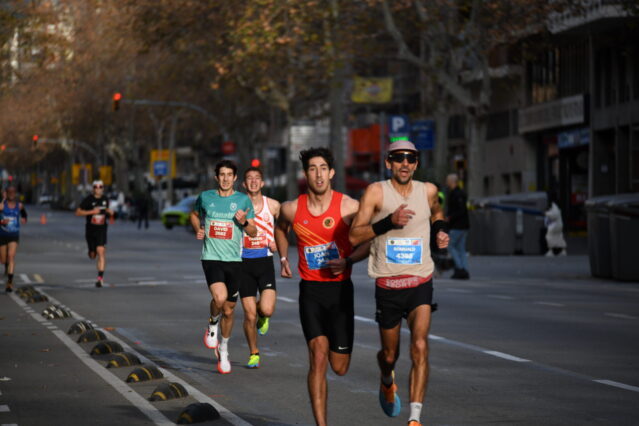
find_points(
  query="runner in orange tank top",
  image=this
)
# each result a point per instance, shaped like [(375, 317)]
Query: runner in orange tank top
[(321, 220)]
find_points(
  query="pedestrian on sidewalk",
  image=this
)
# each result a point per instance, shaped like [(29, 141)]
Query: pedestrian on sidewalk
[(142, 205), (458, 224), (554, 231)]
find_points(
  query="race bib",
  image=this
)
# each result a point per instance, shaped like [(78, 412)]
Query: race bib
[(221, 230), (404, 251), (317, 257), (257, 242), (98, 219), (12, 225)]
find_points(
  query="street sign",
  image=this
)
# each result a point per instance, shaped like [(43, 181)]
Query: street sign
[(164, 156), (398, 127), (423, 134), (160, 168)]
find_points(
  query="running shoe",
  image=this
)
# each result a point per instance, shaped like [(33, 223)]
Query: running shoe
[(254, 361), (389, 400), (210, 335), (223, 363), (98, 283), (8, 288), (414, 423), (262, 326)]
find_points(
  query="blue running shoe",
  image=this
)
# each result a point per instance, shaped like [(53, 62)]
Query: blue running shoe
[(389, 400)]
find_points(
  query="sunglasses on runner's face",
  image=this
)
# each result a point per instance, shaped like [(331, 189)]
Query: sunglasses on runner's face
[(399, 157), (97, 186)]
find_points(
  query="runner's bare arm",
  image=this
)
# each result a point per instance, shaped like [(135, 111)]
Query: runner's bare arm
[(274, 206), (81, 212), (284, 221), (197, 225), (436, 214), (361, 229)]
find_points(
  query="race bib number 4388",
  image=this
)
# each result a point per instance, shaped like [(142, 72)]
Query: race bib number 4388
[(317, 257), (221, 230), (404, 251)]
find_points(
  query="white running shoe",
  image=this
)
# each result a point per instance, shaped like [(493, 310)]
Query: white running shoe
[(223, 363), (210, 335)]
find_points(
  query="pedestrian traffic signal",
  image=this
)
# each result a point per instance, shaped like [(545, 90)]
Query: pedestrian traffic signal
[(255, 162), (116, 101), (35, 141), (3, 147)]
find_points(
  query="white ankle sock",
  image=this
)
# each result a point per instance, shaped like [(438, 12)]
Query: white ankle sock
[(224, 344), (415, 411)]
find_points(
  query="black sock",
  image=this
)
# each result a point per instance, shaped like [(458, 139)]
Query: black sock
[(10, 279), (100, 274)]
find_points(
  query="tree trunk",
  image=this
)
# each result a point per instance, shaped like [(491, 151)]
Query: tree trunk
[(476, 139), (441, 167), (337, 143)]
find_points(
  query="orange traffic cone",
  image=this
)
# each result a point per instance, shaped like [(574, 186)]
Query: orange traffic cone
[(43, 219)]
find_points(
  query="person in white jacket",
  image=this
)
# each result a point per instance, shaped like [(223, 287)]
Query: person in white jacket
[(554, 231)]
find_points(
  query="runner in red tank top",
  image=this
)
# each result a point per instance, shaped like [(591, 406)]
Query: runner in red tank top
[(320, 239), (321, 221)]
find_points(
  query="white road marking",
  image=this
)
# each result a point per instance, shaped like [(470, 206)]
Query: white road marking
[(84, 280), (556, 305), (224, 412), (153, 283), (38, 278), (363, 319), (25, 278), (622, 316), (506, 356), (140, 278), (500, 296), (4, 409), (285, 299), (191, 277), (618, 385), (9, 424)]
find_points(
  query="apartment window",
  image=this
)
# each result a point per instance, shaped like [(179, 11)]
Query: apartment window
[(544, 77)]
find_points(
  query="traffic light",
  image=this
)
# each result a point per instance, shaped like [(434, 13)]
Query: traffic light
[(3, 147), (35, 141), (255, 162), (116, 101)]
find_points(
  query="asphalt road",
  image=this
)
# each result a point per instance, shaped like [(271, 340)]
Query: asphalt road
[(526, 341)]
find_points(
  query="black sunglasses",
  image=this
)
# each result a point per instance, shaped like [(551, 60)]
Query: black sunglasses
[(97, 186), (399, 157)]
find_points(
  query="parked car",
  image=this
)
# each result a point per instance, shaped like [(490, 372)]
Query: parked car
[(178, 215)]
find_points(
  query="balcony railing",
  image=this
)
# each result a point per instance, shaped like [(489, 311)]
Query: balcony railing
[(588, 11)]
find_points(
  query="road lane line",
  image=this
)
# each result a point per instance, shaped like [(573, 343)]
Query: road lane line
[(527, 362), (25, 278), (622, 316), (500, 296), (506, 356), (224, 412), (4, 409), (553, 304), (285, 299), (38, 278), (618, 385), (153, 283), (140, 278), (121, 387)]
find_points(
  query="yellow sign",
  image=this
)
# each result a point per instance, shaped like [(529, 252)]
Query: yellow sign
[(372, 90), (161, 161), (81, 174), (106, 174)]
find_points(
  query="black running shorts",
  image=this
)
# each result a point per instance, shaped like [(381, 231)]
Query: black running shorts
[(96, 237), (327, 309), (228, 273), (257, 274), (393, 305), (6, 239)]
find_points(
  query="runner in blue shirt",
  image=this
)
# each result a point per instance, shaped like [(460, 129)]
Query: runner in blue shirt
[(12, 215)]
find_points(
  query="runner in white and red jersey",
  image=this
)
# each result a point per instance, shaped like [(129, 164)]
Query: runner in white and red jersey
[(258, 273)]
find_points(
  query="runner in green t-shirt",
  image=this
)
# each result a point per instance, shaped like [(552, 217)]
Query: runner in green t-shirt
[(219, 217)]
